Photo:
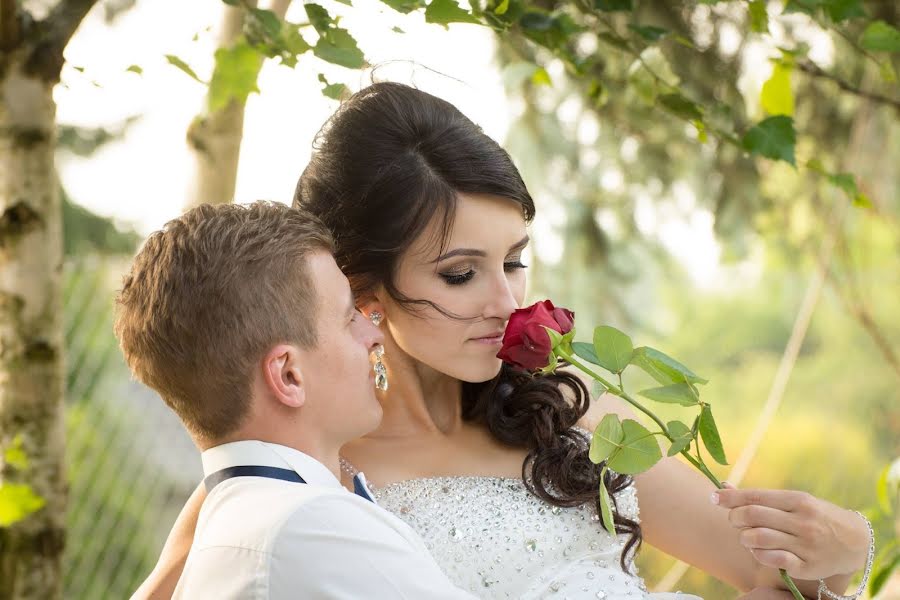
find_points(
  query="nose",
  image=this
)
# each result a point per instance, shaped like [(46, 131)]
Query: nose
[(503, 299)]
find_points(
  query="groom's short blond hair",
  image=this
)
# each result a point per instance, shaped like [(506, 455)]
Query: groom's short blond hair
[(208, 295)]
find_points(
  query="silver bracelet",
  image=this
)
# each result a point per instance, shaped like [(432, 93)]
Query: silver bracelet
[(823, 589)]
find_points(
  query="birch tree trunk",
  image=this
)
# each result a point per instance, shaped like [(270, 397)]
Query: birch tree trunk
[(31, 340), (214, 137)]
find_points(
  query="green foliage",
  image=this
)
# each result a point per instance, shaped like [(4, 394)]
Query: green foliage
[(773, 138), (613, 349), (880, 36), (709, 432), (676, 393), (17, 502), (85, 232), (234, 76), (627, 446), (444, 12)]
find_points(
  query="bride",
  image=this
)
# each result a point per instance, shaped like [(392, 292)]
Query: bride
[(489, 465)]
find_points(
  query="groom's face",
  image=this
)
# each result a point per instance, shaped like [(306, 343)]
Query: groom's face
[(339, 382)]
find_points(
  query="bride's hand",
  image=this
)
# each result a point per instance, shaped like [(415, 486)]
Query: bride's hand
[(808, 537)]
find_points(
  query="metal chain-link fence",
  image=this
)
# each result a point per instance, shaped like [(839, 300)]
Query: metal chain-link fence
[(131, 465)]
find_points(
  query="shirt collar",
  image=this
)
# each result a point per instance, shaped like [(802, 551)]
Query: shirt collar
[(255, 452)]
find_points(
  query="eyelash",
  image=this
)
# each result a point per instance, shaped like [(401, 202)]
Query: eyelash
[(464, 278)]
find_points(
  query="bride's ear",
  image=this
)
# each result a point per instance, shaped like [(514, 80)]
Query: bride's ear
[(283, 376)]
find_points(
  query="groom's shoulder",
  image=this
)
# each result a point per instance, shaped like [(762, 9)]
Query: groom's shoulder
[(250, 512)]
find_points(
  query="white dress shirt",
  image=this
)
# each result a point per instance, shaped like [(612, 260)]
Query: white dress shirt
[(261, 538)]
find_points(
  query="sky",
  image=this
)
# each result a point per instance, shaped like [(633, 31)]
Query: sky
[(142, 180)]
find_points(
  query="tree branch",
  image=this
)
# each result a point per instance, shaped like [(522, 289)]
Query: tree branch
[(814, 70), (65, 18), (46, 59), (9, 25)]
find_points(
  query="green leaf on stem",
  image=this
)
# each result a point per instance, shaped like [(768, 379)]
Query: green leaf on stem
[(332, 90), (339, 47), (17, 501), (318, 17), (598, 389), (502, 8), (776, 97), (710, 435), (638, 452), (177, 62), (268, 20), (773, 138), (443, 12), (664, 369), (606, 512), (880, 36), (585, 351), (136, 69), (234, 76), (613, 348), (404, 6), (607, 437), (681, 436), (676, 393)]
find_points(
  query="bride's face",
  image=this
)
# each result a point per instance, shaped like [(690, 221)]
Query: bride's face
[(477, 275)]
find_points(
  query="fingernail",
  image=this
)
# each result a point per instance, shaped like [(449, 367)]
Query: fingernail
[(714, 498)]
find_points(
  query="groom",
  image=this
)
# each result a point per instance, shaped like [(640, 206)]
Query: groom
[(241, 320)]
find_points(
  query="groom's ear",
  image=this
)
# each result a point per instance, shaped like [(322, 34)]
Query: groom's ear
[(283, 376)]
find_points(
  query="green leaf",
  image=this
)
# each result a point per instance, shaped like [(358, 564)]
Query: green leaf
[(681, 106), (17, 501), (777, 98), (541, 77), (638, 450), (177, 62), (585, 351), (805, 6), (269, 21), (234, 76), (232, 2), (759, 17), (339, 47), (613, 5), (318, 17), (502, 8), (649, 32), (397, 30), (662, 368), (880, 36), (597, 389), (135, 69), (841, 10), (882, 572), (606, 511), (294, 42), (773, 138), (404, 6), (443, 12), (613, 348), (710, 435), (681, 434), (676, 393), (606, 439), (347, 2), (332, 90)]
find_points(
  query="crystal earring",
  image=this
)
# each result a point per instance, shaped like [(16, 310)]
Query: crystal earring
[(381, 381)]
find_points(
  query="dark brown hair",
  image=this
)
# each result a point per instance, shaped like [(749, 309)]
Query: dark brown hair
[(387, 163), (208, 295)]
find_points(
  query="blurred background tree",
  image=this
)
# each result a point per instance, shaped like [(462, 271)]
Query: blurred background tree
[(765, 131)]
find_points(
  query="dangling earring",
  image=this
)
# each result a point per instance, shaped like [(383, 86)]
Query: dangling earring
[(381, 381)]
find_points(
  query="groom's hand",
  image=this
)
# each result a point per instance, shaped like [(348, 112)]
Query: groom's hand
[(804, 535)]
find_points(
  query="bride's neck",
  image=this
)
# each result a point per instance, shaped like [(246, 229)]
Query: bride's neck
[(419, 399)]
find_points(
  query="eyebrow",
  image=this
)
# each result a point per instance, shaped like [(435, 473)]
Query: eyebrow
[(474, 252)]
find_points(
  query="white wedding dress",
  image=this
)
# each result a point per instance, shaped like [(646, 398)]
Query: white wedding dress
[(495, 539)]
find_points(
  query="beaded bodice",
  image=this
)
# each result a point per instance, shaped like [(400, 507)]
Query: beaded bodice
[(495, 539)]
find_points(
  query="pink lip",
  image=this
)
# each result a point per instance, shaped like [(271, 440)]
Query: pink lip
[(496, 339)]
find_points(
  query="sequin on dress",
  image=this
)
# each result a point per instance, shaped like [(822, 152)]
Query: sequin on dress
[(495, 539)]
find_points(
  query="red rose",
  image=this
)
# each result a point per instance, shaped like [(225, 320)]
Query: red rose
[(526, 343)]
